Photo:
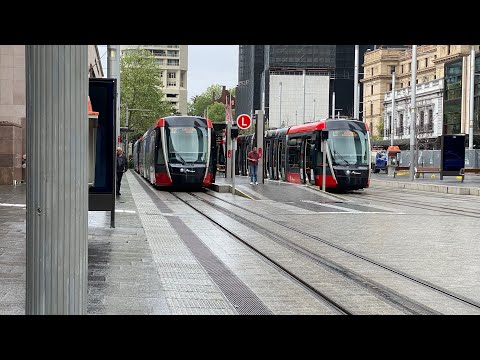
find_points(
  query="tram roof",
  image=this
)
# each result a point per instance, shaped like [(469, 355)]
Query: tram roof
[(319, 125), (161, 122)]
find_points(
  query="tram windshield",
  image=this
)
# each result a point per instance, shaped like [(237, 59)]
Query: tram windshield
[(349, 147), (187, 144)]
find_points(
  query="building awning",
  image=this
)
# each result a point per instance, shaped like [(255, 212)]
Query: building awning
[(92, 114)]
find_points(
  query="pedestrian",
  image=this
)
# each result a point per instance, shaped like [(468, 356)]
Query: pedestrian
[(253, 157), (121, 167)]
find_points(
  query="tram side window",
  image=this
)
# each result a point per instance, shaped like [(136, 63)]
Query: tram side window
[(152, 147), (294, 148), (160, 157)]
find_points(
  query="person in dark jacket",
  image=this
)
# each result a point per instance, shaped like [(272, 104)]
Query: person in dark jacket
[(121, 167)]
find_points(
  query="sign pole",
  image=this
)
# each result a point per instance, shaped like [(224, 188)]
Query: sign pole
[(229, 148), (234, 147), (260, 136), (324, 151)]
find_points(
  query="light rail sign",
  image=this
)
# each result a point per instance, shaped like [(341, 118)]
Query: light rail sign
[(244, 121)]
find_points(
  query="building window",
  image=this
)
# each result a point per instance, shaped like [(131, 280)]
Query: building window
[(409, 83), (172, 75), (448, 49), (426, 62), (371, 109), (421, 123), (390, 87), (418, 64), (158, 52), (371, 89), (402, 70), (174, 62), (401, 85), (392, 69), (400, 125), (172, 83), (434, 77), (430, 121), (372, 70), (388, 127), (409, 66)]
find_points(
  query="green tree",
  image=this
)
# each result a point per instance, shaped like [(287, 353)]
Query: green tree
[(141, 85), (199, 103), (216, 112)]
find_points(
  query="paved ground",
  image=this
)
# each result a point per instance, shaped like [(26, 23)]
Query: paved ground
[(12, 249), (471, 180), (163, 257)]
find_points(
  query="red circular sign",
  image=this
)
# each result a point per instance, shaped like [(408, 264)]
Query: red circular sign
[(244, 121)]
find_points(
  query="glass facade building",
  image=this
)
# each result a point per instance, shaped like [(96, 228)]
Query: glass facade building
[(452, 99), (257, 62)]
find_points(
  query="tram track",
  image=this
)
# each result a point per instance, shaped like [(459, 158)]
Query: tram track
[(408, 203), (340, 309), (389, 295)]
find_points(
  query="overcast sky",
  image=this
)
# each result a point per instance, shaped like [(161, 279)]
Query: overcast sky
[(207, 65)]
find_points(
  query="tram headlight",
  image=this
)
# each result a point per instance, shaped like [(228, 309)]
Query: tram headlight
[(347, 172)]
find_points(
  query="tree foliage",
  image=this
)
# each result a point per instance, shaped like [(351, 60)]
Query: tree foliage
[(140, 86), (199, 103), (216, 112)]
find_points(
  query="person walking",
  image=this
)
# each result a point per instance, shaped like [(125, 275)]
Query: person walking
[(121, 167), (253, 157)]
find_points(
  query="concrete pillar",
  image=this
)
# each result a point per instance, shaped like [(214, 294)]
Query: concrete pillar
[(57, 197)]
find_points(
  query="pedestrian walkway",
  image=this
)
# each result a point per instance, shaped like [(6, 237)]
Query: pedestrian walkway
[(274, 190), (431, 183), (164, 257), (12, 249), (161, 258)]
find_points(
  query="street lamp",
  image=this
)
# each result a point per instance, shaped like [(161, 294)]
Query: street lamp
[(280, 102), (311, 93), (313, 109)]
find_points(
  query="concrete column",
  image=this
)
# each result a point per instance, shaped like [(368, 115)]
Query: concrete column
[(57, 197)]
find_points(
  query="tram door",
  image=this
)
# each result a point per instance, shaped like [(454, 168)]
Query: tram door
[(281, 159), (274, 159), (309, 147), (268, 160), (301, 142)]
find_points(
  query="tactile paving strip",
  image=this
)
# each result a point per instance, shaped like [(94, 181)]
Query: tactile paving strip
[(242, 298)]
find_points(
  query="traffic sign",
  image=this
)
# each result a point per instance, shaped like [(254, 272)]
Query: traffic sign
[(244, 121)]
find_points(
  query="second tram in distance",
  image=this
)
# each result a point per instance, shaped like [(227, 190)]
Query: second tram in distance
[(294, 154)]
